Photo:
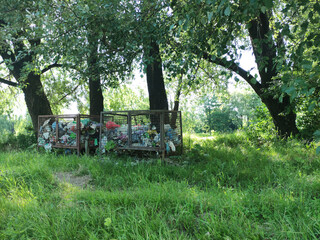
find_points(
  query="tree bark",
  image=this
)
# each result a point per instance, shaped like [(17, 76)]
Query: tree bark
[(282, 115), (95, 94), (155, 81), (35, 98), (95, 91)]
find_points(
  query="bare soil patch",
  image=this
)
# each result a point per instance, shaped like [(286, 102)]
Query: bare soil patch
[(69, 177)]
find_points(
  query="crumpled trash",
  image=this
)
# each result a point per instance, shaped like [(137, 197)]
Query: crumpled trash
[(111, 125), (48, 147), (46, 122), (41, 141), (46, 135), (172, 146)]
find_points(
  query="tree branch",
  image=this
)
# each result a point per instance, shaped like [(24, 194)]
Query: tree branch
[(67, 94), (14, 84), (232, 66), (50, 67)]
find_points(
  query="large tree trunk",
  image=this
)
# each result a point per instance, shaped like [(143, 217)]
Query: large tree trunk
[(156, 88), (95, 91), (265, 51), (96, 97), (282, 115), (36, 99)]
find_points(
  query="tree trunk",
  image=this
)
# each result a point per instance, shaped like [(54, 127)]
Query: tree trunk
[(156, 88), (264, 49), (36, 99), (282, 115), (96, 97), (95, 91)]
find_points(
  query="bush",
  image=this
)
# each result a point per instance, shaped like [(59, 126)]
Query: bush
[(18, 142)]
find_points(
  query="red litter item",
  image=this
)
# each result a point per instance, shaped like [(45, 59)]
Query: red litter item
[(111, 125)]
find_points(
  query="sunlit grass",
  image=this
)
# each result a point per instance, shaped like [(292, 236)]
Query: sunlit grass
[(224, 187)]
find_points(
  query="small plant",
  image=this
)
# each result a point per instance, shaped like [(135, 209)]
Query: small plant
[(110, 145)]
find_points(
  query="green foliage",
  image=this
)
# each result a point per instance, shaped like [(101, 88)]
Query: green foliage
[(110, 145), (8, 100), (225, 112), (260, 125), (20, 141), (308, 119), (222, 120), (124, 98), (17, 133), (6, 125), (224, 186)]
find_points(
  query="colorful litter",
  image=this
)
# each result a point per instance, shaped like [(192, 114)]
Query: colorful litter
[(62, 131), (158, 131)]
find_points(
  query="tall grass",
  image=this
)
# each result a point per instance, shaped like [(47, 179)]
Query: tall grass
[(223, 187)]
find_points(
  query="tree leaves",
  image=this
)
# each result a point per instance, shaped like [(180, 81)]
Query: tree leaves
[(306, 65), (210, 14), (227, 11), (268, 3)]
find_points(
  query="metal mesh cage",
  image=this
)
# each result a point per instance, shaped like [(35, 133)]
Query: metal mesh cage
[(156, 130), (72, 131)]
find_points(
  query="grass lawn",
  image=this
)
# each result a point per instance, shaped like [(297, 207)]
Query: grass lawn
[(223, 187)]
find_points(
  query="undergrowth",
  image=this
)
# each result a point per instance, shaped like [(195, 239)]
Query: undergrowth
[(223, 187)]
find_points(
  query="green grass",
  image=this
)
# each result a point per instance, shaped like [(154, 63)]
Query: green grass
[(223, 187)]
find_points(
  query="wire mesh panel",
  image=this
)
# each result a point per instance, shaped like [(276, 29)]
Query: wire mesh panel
[(72, 131), (114, 131), (173, 132), (141, 130), (46, 133)]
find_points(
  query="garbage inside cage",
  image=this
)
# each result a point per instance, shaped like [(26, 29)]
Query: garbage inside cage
[(72, 131), (154, 130)]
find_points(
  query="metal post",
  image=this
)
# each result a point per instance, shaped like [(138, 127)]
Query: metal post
[(129, 129), (162, 144), (38, 133), (78, 134), (100, 145)]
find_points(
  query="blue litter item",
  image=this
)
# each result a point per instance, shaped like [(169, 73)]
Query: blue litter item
[(167, 148)]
